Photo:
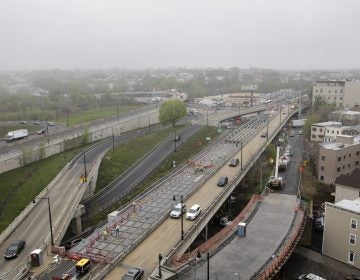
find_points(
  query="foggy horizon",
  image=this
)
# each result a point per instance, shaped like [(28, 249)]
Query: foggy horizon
[(136, 35)]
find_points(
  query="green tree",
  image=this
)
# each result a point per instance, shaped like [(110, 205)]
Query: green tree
[(172, 111)]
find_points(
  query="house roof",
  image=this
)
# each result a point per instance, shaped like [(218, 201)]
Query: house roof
[(352, 180), (351, 205)]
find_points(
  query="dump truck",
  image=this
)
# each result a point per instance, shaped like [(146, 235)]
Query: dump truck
[(16, 135)]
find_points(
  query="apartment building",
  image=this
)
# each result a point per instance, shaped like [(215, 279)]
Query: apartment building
[(345, 94), (341, 231), (336, 158), (345, 116), (326, 131), (348, 186)]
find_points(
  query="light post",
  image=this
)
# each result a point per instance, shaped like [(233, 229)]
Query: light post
[(267, 128), (117, 111), (241, 156), (175, 140), (181, 215), (51, 232), (112, 135), (85, 175), (160, 258)]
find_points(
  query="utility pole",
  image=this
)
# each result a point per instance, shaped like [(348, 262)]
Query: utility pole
[(300, 95), (117, 112), (67, 117)]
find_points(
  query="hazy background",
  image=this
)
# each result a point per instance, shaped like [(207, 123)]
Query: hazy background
[(282, 34)]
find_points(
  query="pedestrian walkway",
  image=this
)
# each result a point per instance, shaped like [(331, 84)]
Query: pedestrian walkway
[(242, 257)]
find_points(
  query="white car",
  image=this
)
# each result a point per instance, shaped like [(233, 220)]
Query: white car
[(194, 212), (176, 211)]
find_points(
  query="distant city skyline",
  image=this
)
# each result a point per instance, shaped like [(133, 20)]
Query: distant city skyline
[(89, 34)]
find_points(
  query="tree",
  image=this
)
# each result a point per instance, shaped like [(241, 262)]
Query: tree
[(172, 111)]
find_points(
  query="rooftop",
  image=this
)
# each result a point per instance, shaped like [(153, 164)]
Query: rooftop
[(352, 180), (346, 112), (330, 123), (351, 205), (339, 145)]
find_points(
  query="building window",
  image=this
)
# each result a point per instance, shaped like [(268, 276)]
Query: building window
[(334, 98), (339, 158), (321, 90), (353, 224), (337, 132), (357, 153), (357, 162), (335, 91), (351, 257), (338, 169), (340, 98), (352, 239), (313, 129), (343, 166), (349, 165), (320, 129), (349, 155), (313, 135), (322, 168), (323, 158), (341, 90), (344, 157), (327, 131), (329, 98), (321, 178)]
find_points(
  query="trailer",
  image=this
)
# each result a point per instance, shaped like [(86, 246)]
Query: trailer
[(16, 135)]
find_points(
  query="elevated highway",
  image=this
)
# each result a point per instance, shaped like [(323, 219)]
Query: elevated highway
[(72, 194)]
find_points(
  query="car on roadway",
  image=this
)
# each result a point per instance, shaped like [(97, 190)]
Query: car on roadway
[(292, 134), (300, 132), (23, 122), (41, 131), (37, 123), (133, 274), (177, 138), (70, 244), (263, 134), (310, 276), (51, 124), (234, 162), (14, 249), (223, 181), (177, 210), (193, 212)]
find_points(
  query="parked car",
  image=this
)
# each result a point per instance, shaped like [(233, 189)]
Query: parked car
[(14, 249), (194, 212), (41, 131), (224, 221), (234, 162), (51, 124), (133, 274), (310, 276), (263, 134), (23, 122), (353, 277), (222, 181), (176, 211), (72, 243)]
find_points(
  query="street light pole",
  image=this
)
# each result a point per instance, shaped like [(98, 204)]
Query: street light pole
[(50, 220), (175, 140), (181, 214), (85, 175), (160, 258), (241, 157)]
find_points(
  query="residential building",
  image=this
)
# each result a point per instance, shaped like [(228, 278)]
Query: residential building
[(345, 94), (345, 116), (341, 231), (348, 186), (336, 158), (326, 131)]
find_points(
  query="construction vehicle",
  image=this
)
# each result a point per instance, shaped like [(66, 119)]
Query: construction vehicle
[(283, 163), (276, 182)]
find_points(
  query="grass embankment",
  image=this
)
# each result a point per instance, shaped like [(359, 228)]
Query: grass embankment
[(19, 186), (94, 114), (187, 150)]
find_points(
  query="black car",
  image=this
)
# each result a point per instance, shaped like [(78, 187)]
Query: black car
[(133, 274), (222, 181), (14, 249), (234, 162)]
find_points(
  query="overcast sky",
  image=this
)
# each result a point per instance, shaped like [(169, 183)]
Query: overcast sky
[(279, 34)]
